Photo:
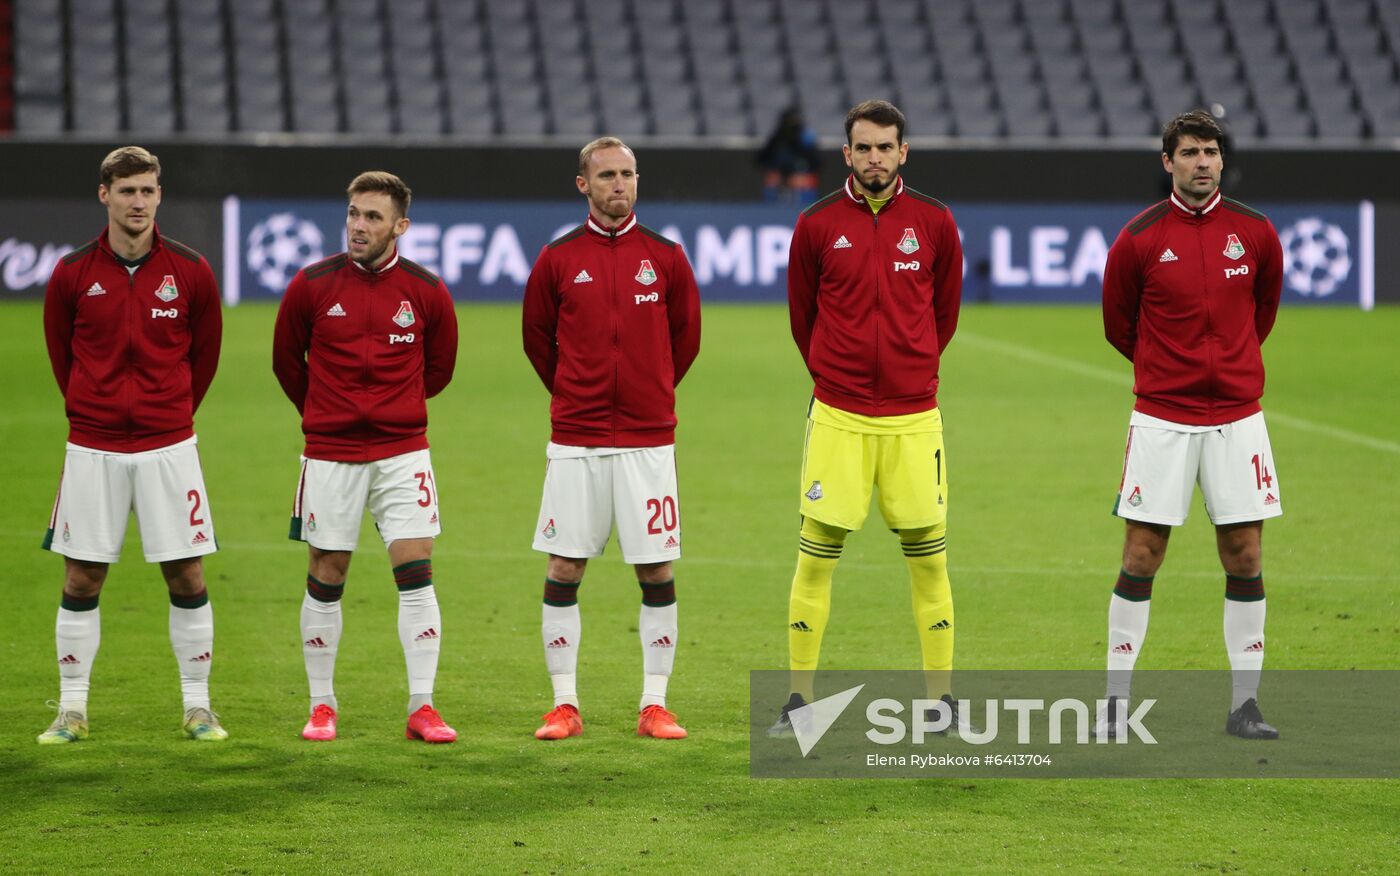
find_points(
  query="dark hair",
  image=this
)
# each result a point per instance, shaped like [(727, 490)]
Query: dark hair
[(128, 161), (881, 112), (386, 183), (1197, 123)]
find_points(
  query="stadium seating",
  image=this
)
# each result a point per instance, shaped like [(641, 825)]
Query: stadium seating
[(1281, 70)]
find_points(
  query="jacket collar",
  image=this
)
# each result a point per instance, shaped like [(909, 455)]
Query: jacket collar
[(620, 229), (1195, 212), (380, 271), (104, 242), (858, 198)]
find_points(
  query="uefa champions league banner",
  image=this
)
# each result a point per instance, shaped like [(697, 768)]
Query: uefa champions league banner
[(1030, 253), (483, 250), (1056, 253), (36, 234)]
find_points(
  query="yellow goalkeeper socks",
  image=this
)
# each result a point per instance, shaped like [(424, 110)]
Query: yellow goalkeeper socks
[(809, 605), (925, 550)]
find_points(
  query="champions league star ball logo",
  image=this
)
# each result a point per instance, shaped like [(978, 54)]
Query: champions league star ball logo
[(1316, 257), (279, 246)]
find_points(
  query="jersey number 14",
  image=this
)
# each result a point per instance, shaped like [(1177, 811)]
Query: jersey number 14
[(1262, 477)]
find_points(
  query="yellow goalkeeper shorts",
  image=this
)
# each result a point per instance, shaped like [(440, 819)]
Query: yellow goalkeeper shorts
[(841, 469)]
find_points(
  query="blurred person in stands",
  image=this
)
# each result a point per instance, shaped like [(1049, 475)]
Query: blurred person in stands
[(790, 161)]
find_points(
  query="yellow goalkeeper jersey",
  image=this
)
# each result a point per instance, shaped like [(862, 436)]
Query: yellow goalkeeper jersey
[(930, 420)]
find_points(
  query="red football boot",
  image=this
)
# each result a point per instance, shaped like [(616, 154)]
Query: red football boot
[(658, 723), (561, 723), (426, 724), (321, 726)]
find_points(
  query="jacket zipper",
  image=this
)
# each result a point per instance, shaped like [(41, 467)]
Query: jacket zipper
[(1210, 323), (133, 310), (369, 338), (616, 349), (877, 393)]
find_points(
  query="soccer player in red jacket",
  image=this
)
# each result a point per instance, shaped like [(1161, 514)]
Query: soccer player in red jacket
[(133, 327), (1190, 292), (874, 288), (611, 322), (363, 339)]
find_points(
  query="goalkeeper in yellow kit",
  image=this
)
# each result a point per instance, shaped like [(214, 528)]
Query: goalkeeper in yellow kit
[(874, 285)]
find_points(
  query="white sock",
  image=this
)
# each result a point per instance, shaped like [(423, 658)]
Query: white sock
[(1127, 627), (77, 635), (561, 627), (1244, 643), (192, 640), (420, 633), (657, 628), (321, 623)]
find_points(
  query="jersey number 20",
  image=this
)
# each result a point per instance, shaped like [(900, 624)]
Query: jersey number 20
[(663, 515)]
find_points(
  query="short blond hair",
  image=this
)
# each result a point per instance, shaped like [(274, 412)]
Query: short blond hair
[(384, 182), (586, 153), (128, 161)]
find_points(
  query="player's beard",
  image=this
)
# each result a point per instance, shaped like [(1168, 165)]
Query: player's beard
[(373, 255), (611, 208), (877, 185)]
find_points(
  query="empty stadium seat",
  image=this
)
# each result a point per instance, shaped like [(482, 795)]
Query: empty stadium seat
[(1291, 69)]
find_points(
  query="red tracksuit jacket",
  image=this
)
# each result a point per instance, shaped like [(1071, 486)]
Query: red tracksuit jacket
[(1189, 296), (134, 353), (360, 352), (874, 299), (611, 322)]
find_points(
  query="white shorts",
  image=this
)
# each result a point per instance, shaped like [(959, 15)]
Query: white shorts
[(99, 490), (1164, 461), (331, 499), (585, 494)]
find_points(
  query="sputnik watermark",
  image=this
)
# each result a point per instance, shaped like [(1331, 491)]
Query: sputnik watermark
[(1060, 723), (935, 716)]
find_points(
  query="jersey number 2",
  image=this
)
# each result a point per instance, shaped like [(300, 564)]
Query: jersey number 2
[(193, 497)]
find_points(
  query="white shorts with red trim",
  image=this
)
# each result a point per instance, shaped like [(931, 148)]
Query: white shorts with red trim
[(99, 490), (587, 490), (1164, 461), (332, 496)]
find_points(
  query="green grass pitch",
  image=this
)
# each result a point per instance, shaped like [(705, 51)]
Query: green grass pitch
[(1036, 407)]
